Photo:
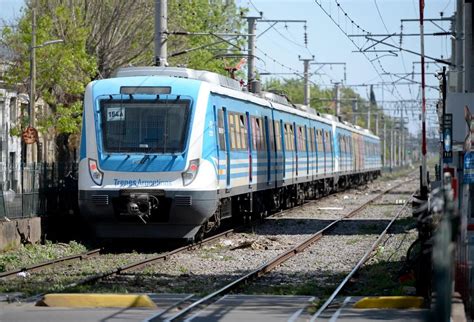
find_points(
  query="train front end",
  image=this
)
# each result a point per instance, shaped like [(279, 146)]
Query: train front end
[(141, 171)]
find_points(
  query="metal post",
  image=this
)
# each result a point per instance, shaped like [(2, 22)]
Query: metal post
[(459, 43), (424, 179), (368, 115), (354, 111), (400, 135), (337, 106), (391, 147), (468, 64), (161, 26), (377, 124), (384, 158), (252, 29), (306, 80), (31, 106), (402, 140)]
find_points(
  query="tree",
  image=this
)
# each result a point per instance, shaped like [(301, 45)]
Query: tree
[(62, 69), (100, 36)]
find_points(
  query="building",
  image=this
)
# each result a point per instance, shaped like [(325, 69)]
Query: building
[(11, 105)]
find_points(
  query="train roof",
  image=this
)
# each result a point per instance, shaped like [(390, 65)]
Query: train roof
[(228, 86)]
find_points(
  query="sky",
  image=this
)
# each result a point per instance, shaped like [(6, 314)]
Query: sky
[(282, 44), (327, 24)]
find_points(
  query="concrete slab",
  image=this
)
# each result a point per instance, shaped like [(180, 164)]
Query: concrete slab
[(249, 308), (343, 310), (26, 312), (17, 231)]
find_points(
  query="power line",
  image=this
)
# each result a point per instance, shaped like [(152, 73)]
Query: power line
[(318, 2)]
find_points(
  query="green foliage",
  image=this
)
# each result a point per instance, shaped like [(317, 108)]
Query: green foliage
[(62, 70), (100, 36)]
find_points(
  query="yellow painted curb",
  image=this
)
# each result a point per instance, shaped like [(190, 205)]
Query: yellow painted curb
[(97, 300), (389, 302)]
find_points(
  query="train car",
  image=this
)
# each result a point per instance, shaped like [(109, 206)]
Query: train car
[(170, 152)]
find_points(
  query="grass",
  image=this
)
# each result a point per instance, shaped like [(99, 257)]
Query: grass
[(30, 254)]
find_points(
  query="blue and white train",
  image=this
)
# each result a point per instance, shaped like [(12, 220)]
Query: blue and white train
[(170, 152)]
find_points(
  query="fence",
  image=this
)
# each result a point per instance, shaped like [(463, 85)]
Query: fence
[(38, 189)]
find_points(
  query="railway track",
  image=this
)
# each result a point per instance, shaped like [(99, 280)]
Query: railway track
[(138, 265), (135, 265), (57, 261), (359, 264), (283, 257)]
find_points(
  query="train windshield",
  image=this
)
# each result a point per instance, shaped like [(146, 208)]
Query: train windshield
[(144, 126)]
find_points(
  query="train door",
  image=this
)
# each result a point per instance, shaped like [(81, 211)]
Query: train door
[(296, 148), (323, 134), (331, 152), (320, 151), (312, 147), (307, 148), (249, 146), (289, 151), (278, 163), (283, 148), (268, 130), (226, 146)]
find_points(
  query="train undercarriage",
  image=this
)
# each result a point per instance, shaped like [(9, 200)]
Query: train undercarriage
[(257, 205)]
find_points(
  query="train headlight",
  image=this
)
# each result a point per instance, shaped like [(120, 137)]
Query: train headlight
[(190, 174), (96, 174)]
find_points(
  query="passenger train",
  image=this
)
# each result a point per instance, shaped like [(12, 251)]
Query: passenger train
[(170, 152)]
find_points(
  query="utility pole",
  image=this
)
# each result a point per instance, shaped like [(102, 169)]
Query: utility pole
[(377, 124), (468, 64), (400, 144), (459, 44), (391, 146), (368, 115), (402, 140), (424, 175), (161, 28), (337, 105), (354, 109), (252, 83), (384, 142), (306, 79), (252, 30)]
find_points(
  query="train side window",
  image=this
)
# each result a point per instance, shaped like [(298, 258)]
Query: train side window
[(327, 143), (320, 141), (254, 133), (305, 139), (292, 137), (330, 142), (289, 137), (237, 132), (299, 138), (277, 135), (261, 137), (243, 131), (269, 128), (257, 134), (221, 129), (311, 139), (233, 145)]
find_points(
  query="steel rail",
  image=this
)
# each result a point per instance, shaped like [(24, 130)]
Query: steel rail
[(270, 265), (143, 263), (360, 263), (40, 266), (136, 265)]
